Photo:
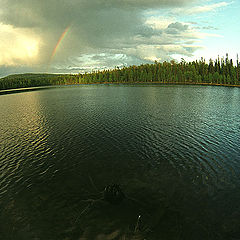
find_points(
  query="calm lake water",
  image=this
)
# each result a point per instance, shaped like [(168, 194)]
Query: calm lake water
[(174, 150)]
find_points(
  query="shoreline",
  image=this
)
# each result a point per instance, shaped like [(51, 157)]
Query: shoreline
[(149, 83), (20, 90)]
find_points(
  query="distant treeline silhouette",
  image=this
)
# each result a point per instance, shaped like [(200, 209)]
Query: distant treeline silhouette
[(219, 72)]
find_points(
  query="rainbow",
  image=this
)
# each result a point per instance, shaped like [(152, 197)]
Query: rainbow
[(59, 41)]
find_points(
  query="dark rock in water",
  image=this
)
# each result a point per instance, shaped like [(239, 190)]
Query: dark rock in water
[(113, 194)]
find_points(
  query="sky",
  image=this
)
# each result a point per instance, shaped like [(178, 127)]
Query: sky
[(72, 36)]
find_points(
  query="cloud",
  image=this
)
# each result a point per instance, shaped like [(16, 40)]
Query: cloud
[(159, 22), (33, 13), (17, 46), (200, 9), (177, 27), (102, 33)]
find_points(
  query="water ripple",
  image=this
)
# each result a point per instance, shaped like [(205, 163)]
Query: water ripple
[(50, 134)]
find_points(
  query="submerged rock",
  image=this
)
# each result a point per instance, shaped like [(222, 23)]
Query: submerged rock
[(113, 194)]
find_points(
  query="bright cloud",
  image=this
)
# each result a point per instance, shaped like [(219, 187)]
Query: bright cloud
[(159, 22), (17, 46), (200, 9)]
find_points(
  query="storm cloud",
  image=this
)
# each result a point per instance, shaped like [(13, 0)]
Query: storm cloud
[(102, 33)]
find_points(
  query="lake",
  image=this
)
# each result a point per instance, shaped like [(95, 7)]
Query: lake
[(174, 151)]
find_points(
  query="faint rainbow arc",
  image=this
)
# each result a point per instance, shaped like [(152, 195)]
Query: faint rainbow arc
[(59, 41)]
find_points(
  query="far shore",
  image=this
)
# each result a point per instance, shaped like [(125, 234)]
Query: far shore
[(149, 83), (164, 83), (19, 90)]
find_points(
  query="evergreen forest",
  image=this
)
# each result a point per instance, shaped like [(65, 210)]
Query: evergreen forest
[(219, 72)]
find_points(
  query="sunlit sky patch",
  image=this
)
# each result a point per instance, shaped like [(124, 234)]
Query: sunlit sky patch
[(105, 34)]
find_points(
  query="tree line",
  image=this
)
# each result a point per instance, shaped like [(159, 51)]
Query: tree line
[(221, 71)]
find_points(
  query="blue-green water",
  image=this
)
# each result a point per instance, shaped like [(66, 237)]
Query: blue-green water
[(173, 149)]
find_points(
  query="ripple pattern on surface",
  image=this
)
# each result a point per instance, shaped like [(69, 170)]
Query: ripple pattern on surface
[(43, 133)]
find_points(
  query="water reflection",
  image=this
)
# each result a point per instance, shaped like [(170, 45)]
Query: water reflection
[(23, 139)]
